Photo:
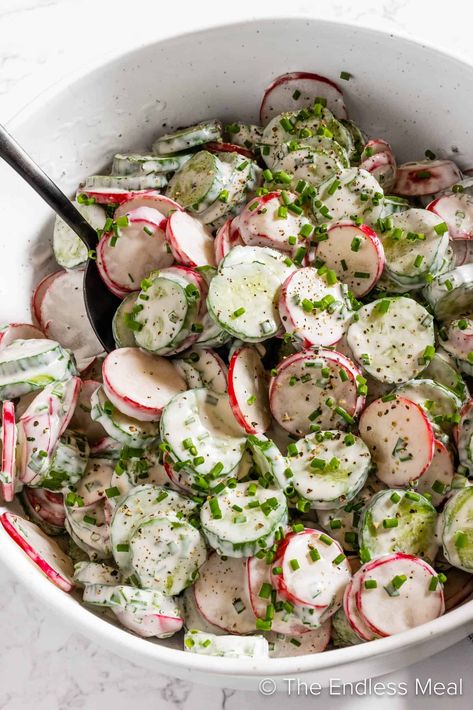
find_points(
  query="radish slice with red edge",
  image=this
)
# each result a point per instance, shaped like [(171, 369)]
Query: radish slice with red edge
[(311, 570), (361, 268), (64, 318), (459, 340), (258, 575), (437, 480), (406, 594), (457, 212), (228, 148), (38, 295), (16, 331), (110, 195), (191, 243), (316, 388), (8, 473), (374, 147), (313, 309), (226, 238), (400, 438), (147, 198), (176, 478), (296, 90), (140, 247), (361, 629), (426, 177), (248, 391), (140, 384), (43, 551), (382, 166), (45, 508)]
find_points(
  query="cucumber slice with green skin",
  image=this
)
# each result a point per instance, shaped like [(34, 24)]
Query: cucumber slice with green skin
[(358, 139), (8, 472), (186, 138), (221, 595), (352, 192), (44, 508), (390, 338), (123, 335), (69, 250), (456, 210), (442, 369), (232, 646), (68, 463), (278, 154), (392, 204), (441, 405), (288, 645), (146, 612), (128, 183), (29, 365), (314, 166), (437, 480), (314, 580), (315, 388), (457, 529), (137, 467), (89, 529), (248, 390), (342, 633), (356, 255), (342, 523), (212, 336), (142, 503), (119, 426), (464, 436), (137, 164), (329, 468), (199, 182), (263, 595), (426, 177), (400, 438), (356, 622), (387, 608), (409, 260), (44, 552), (451, 294), (140, 384), (193, 619), (202, 367), (414, 532), (87, 573), (241, 179), (314, 310), (243, 301), (96, 484), (165, 314), (244, 135), (166, 554), (252, 525), (202, 421)]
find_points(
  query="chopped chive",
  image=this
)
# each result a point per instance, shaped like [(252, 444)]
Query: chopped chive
[(371, 584), (239, 312), (215, 509), (314, 554), (390, 523), (345, 75), (294, 564), (325, 539), (441, 228)]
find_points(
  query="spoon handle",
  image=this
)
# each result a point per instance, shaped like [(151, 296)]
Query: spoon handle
[(20, 161)]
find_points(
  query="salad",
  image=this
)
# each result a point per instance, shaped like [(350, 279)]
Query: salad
[(276, 458)]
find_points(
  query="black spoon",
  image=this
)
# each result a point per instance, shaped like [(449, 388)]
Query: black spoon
[(100, 303)]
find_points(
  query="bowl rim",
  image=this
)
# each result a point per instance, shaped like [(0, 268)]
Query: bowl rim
[(118, 639)]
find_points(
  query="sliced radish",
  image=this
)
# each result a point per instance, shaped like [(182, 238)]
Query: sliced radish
[(64, 318), (462, 251), (8, 473), (359, 269), (458, 587), (228, 148), (112, 195), (295, 90), (191, 242), (314, 641), (308, 388), (227, 237), (179, 480), (81, 420), (147, 624), (426, 177), (459, 341), (258, 573), (43, 551), (203, 367), (373, 147), (38, 295), (106, 447), (15, 331), (222, 597), (148, 198), (46, 507), (400, 438), (313, 310), (354, 618), (382, 166), (437, 480), (261, 224), (457, 212), (311, 570), (140, 248), (248, 390), (402, 598), (140, 384), (65, 396)]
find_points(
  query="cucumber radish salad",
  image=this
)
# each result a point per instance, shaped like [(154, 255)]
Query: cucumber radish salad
[(276, 458)]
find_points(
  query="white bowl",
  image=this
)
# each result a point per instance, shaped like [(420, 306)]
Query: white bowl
[(415, 97)]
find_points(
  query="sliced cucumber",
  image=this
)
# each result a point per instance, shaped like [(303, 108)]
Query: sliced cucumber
[(124, 429), (137, 164), (244, 135), (352, 193), (451, 294), (69, 250), (270, 462), (153, 181), (442, 369), (88, 528), (68, 463), (441, 404), (232, 646), (457, 529), (199, 182), (86, 573), (189, 137), (123, 334)]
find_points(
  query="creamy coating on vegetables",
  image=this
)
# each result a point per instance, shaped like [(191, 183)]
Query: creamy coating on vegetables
[(277, 455)]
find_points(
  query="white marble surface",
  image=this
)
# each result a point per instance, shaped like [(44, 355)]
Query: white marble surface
[(43, 665)]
